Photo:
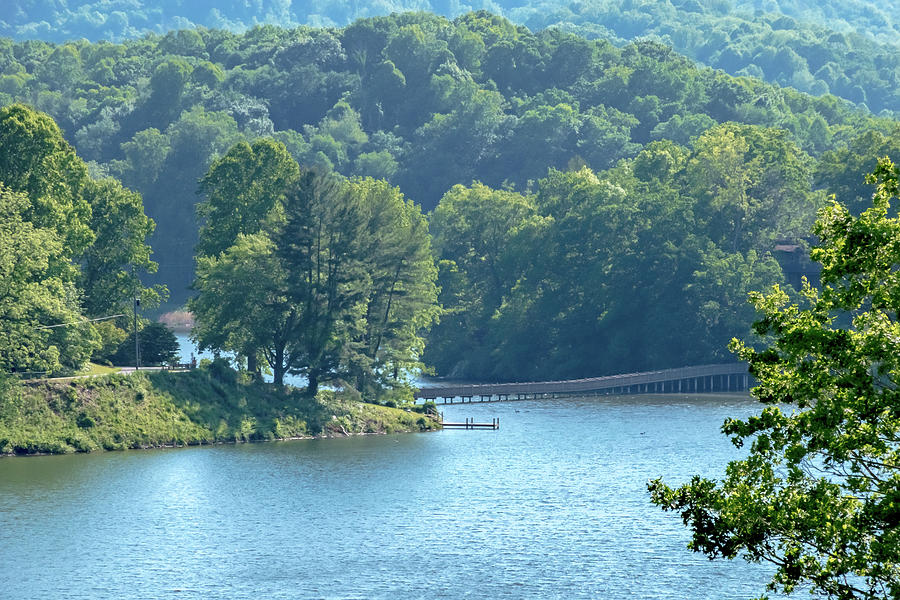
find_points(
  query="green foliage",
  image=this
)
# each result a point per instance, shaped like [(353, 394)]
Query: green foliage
[(691, 175), (35, 295), (69, 246), (37, 161), (156, 343), (845, 49), (242, 189), (476, 233), (842, 171), (401, 296), (644, 266), (111, 337), (206, 405), (317, 276), (421, 101), (817, 493), (108, 276)]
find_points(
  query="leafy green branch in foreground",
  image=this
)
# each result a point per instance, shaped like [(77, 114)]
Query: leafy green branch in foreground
[(819, 493)]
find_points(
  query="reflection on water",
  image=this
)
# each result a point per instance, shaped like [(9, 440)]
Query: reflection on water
[(553, 505)]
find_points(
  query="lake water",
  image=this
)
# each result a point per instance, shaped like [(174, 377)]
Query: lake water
[(553, 505)]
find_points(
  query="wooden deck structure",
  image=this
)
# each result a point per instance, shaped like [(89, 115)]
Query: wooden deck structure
[(471, 424), (692, 380)]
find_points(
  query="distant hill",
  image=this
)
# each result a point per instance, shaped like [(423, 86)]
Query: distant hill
[(846, 48), (416, 99), (116, 20)]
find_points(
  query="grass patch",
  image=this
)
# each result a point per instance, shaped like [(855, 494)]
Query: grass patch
[(95, 369), (203, 406)]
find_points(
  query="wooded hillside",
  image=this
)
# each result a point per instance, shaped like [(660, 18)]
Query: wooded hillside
[(416, 99), (617, 203)]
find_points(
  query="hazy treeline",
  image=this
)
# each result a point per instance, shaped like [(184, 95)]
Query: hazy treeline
[(116, 20), (846, 48)]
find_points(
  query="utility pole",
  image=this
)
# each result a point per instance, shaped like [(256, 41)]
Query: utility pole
[(137, 346)]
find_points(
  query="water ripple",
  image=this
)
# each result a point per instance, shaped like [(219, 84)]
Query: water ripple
[(554, 505)]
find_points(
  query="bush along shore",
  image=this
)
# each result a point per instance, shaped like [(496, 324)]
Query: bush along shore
[(158, 409)]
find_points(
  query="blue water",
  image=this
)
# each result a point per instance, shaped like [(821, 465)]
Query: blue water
[(187, 349), (553, 505)]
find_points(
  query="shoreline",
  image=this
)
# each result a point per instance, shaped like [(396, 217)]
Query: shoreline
[(205, 406), (215, 443)]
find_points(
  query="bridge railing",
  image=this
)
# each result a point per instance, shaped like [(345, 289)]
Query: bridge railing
[(591, 384)]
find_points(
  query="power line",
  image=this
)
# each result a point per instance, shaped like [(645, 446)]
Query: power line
[(83, 321)]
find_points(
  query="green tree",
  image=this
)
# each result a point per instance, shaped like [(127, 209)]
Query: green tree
[(41, 328), (156, 343), (842, 171), (240, 305), (818, 494), (167, 85), (318, 276), (35, 159), (110, 266), (195, 140), (243, 189), (321, 246), (401, 300), (753, 185), (95, 233), (145, 156), (475, 241)]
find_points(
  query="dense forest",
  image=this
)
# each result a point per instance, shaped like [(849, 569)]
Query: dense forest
[(845, 48), (71, 246), (615, 203), (416, 99), (115, 20)]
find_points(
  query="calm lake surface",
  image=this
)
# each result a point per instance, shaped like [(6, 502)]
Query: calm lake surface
[(553, 505)]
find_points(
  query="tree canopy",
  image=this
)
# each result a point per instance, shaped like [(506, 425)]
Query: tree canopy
[(643, 266), (817, 493), (421, 101), (319, 276), (658, 191), (71, 247)]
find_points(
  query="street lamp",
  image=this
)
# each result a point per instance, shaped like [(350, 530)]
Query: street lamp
[(137, 346)]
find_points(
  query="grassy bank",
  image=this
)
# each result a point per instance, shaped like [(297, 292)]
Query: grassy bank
[(204, 406)]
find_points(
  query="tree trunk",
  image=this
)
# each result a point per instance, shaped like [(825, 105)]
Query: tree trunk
[(278, 367), (252, 365), (313, 384)]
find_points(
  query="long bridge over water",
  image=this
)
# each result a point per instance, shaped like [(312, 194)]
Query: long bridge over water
[(701, 379)]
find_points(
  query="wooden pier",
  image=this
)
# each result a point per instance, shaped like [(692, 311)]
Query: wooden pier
[(471, 424), (684, 380)]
